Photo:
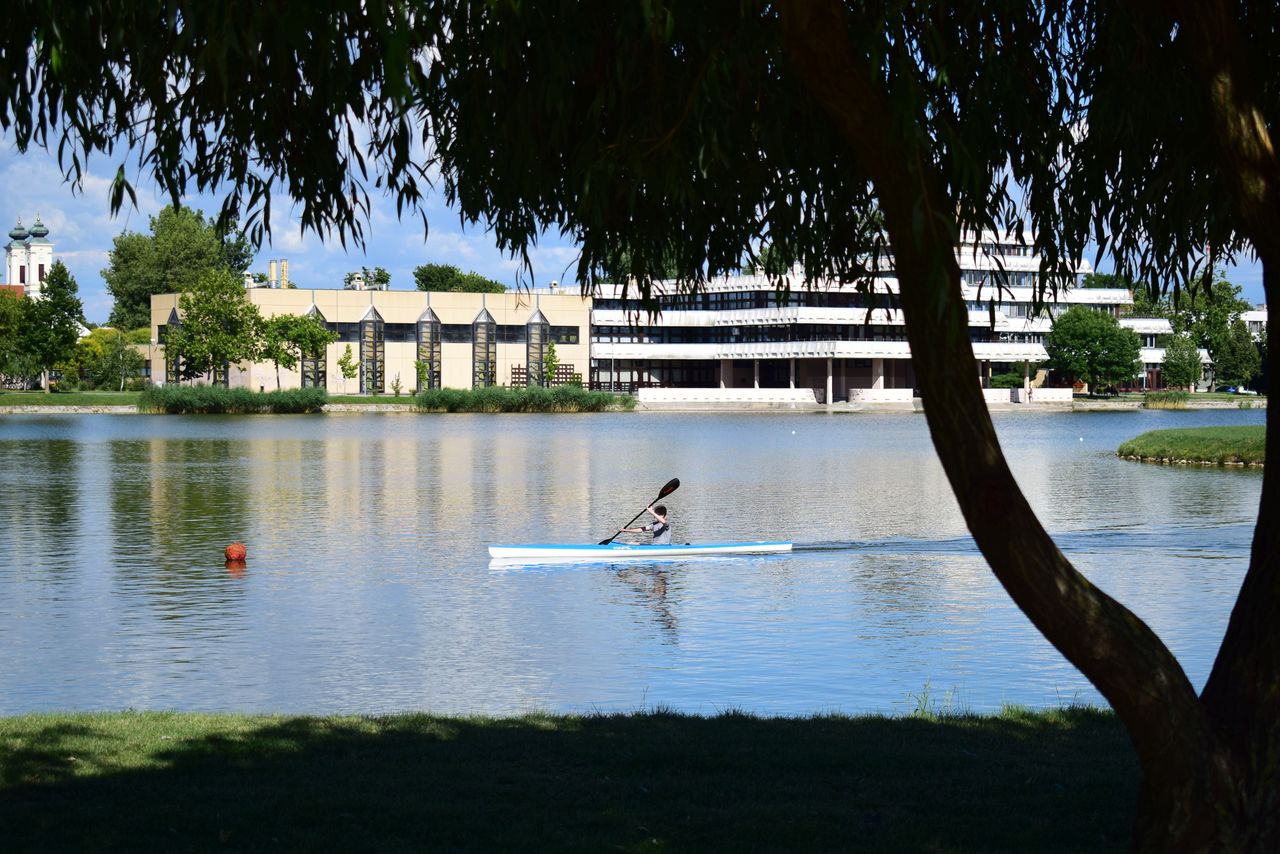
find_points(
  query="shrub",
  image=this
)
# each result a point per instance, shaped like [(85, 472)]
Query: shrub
[(203, 399), (1165, 400), (565, 398)]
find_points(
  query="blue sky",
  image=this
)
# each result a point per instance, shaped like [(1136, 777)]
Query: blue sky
[(82, 229)]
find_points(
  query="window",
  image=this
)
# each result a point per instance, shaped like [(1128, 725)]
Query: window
[(484, 350), (428, 368), (403, 333), (373, 355), (172, 368), (565, 334), (22, 275), (511, 333), (41, 279), (539, 332), (455, 333), (314, 366)]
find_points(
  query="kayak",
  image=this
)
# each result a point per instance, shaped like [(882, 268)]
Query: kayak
[(630, 551)]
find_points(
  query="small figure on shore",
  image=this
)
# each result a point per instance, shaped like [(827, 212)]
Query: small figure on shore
[(660, 527)]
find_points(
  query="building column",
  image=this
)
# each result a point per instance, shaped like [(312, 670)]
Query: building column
[(755, 365), (877, 373), (1026, 380), (793, 373), (726, 373), (829, 380)]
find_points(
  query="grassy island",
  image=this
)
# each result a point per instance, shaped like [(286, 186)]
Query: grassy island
[(1244, 445), (565, 398), (1017, 781)]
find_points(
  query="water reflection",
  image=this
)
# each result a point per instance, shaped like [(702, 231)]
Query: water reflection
[(367, 586)]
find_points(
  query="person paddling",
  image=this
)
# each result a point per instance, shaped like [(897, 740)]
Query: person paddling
[(660, 527)]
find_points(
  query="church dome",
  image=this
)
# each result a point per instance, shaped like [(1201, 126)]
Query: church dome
[(38, 228), (18, 232)]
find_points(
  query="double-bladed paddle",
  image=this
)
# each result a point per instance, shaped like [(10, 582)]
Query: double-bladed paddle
[(672, 486)]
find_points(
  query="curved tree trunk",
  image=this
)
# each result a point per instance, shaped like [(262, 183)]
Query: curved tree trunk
[(1200, 789)]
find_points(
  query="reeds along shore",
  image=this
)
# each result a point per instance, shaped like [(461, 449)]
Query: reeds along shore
[(565, 398)]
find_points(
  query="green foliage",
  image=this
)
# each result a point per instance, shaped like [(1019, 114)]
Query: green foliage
[(203, 400), (105, 359), (15, 362), (219, 326), (1182, 367), (1165, 400), (1238, 360), (1245, 444), (446, 277), (377, 279), (396, 386), (1094, 347), (288, 338), (567, 398), (182, 247), (1012, 379), (550, 363), (347, 364), (51, 324)]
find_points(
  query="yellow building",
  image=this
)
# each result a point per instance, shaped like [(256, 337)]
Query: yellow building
[(464, 340)]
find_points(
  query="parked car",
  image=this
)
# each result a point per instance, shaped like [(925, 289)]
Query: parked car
[(1227, 389), (1243, 390)]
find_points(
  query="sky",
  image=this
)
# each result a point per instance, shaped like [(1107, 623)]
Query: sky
[(82, 229)]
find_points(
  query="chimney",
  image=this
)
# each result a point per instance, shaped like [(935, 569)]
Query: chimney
[(284, 273)]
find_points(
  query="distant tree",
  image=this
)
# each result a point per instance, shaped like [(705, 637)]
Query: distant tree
[(1182, 367), (105, 358), (219, 328), (288, 338), (51, 324), (446, 277), (1094, 347), (15, 362), (180, 249), (377, 279), (1207, 313), (1106, 280), (1238, 361)]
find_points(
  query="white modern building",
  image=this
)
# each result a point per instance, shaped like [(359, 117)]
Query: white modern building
[(28, 257), (838, 341)]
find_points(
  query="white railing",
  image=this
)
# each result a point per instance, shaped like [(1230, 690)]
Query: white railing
[(799, 396)]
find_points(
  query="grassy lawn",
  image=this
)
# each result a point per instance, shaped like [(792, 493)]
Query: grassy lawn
[(1019, 781), (1242, 444), (70, 398)]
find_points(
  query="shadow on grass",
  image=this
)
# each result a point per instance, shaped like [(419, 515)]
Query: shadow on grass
[(1063, 780)]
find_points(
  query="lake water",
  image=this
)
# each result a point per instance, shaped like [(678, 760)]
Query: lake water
[(368, 588)]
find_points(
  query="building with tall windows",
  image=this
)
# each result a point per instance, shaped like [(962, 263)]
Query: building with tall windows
[(460, 340)]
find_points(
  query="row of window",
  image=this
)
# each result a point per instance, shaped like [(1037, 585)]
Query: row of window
[(741, 300)]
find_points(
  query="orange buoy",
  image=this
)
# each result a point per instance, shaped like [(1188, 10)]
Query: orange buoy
[(235, 551)]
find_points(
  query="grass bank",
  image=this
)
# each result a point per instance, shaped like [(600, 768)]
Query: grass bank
[(207, 400), (565, 398), (1240, 445), (1057, 780), (69, 398)]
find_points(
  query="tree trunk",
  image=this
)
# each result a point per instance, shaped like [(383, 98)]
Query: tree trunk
[(1188, 800)]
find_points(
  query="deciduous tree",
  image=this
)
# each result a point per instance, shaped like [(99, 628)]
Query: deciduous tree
[(51, 324), (1093, 347), (180, 249), (1182, 366), (446, 277), (219, 328)]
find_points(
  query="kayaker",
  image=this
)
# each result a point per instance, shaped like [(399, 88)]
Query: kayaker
[(660, 527)]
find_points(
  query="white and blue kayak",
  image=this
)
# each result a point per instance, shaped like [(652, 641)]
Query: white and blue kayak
[(630, 551)]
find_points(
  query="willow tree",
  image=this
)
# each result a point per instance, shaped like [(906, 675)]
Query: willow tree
[(690, 134)]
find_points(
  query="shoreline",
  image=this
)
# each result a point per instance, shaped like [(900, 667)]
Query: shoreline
[(840, 408)]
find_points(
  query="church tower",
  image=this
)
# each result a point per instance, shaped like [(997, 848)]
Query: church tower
[(28, 257)]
